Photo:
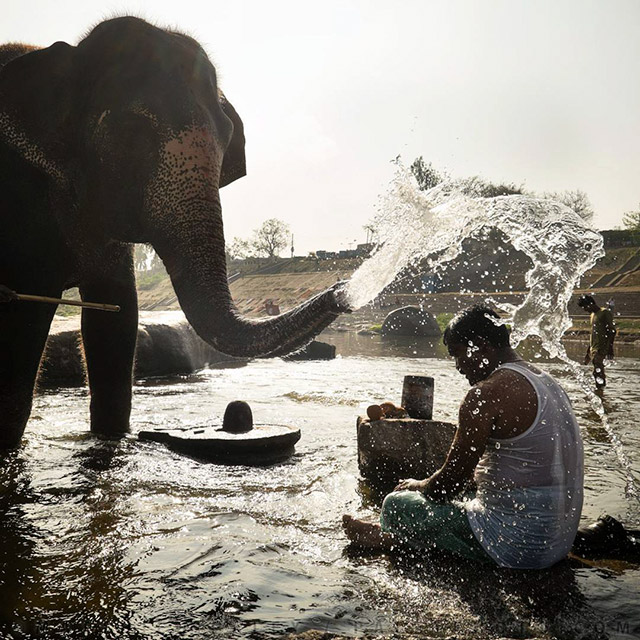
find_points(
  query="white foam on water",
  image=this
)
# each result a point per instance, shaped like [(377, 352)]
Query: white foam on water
[(429, 227)]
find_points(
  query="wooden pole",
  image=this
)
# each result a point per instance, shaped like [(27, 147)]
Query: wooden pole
[(76, 303)]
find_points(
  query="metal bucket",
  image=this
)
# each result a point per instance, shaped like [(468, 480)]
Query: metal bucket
[(417, 397)]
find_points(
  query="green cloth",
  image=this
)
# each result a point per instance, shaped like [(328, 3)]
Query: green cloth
[(424, 524), (602, 331)]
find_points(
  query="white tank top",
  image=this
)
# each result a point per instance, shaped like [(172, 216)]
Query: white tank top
[(527, 508)]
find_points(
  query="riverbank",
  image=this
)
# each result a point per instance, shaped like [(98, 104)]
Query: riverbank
[(370, 317), (369, 320), (256, 293)]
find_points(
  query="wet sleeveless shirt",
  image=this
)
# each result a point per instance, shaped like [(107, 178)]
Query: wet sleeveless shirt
[(529, 498)]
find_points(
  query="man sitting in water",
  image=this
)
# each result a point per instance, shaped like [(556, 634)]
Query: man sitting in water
[(518, 437), (603, 333)]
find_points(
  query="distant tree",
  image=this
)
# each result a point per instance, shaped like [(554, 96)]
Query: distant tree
[(145, 258), (478, 187), (372, 232), (425, 174), (140, 257), (239, 249), (631, 220), (271, 238), (576, 200), (267, 241)]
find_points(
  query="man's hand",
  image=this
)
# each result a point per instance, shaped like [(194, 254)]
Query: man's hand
[(411, 485), (610, 354), (6, 294)]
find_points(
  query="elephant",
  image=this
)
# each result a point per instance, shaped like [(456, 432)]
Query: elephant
[(124, 138)]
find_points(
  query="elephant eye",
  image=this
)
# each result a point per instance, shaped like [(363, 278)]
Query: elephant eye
[(129, 129), (133, 126), (126, 139)]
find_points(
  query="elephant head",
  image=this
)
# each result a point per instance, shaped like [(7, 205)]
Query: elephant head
[(136, 139)]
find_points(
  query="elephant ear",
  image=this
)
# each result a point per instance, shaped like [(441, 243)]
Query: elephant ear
[(233, 164), (36, 106)]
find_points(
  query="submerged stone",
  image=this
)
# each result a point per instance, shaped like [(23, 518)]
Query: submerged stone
[(315, 350), (410, 321)]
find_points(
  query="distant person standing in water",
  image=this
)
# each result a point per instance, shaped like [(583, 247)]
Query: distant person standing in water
[(603, 333), (518, 438)]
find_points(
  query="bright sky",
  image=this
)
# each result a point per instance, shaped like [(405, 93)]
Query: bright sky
[(544, 93)]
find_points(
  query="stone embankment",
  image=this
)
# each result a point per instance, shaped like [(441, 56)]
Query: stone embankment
[(627, 306), (274, 289), (252, 292)]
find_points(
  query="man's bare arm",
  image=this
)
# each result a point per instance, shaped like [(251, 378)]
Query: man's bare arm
[(475, 423)]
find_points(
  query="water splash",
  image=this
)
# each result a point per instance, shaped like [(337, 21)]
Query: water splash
[(630, 490), (429, 227)]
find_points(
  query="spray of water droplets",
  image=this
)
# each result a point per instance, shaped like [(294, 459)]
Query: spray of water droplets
[(429, 227)]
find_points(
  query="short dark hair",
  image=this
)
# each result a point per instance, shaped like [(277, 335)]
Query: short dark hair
[(585, 300), (476, 322)]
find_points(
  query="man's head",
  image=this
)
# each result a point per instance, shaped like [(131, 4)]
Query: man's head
[(477, 340), (588, 303)]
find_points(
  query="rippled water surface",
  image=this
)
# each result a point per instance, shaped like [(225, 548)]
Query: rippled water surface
[(130, 540)]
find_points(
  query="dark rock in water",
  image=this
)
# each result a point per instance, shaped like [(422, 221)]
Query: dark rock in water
[(410, 321), (262, 445), (607, 539), (63, 359), (164, 349), (314, 351), (167, 345), (238, 417)]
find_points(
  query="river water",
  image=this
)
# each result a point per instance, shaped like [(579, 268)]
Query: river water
[(130, 540)]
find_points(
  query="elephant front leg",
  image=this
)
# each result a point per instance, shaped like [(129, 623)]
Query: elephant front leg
[(109, 347), (23, 333)]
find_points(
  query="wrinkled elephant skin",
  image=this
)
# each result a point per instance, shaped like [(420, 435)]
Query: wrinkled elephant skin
[(121, 139)]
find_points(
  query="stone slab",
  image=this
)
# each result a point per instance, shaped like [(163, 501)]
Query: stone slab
[(391, 449), (263, 445)]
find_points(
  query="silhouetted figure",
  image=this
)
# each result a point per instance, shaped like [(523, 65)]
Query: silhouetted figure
[(603, 333)]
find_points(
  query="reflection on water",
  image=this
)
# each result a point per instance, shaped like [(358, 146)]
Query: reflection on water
[(131, 540)]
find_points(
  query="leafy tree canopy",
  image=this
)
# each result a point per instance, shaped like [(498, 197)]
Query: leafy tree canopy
[(576, 200), (631, 220), (267, 241), (425, 174)]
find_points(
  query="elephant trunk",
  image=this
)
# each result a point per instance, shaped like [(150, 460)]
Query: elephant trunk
[(188, 236), (199, 277)]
